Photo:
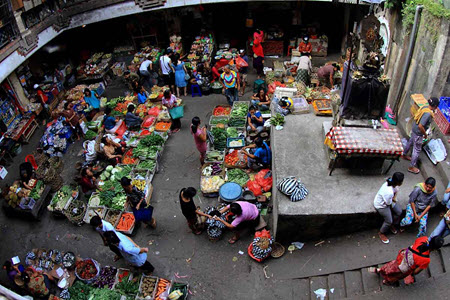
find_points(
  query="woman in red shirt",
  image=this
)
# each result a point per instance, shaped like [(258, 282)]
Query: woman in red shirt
[(87, 181), (43, 99), (410, 261), (258, 56)]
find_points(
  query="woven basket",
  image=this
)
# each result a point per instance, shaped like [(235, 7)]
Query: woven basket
[(277, 250), (57, 163), (56, 183)]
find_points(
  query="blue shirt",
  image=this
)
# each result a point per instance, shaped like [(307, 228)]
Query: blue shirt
[(130, 252), (142, 97), (264, 154), (109, 122), (92, 100), (255, 122)]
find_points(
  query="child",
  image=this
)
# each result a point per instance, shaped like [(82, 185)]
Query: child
[(190, 211)]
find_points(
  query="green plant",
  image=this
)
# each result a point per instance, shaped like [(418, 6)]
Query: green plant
[(433, 8)]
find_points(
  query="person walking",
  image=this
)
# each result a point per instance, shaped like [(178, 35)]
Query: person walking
[(422, 120), (170, 101), (258, 52), (421, 199), (180, 71), (190, 211), (130, 251), (102, 226), (409, 262), (136, 200), (166, 70), (230, 83), (144, 69), (243, 72), (199, 135), (443, 228), (304, 69), (386, 206)]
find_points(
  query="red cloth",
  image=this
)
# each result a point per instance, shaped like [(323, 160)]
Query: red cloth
[(419, 261), (258, 36), (87, 184), (305, 47), (257, 48), (42, 96), (221, 63)]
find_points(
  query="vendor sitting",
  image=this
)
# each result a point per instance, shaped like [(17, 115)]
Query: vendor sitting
[(255, 120), (87, 181), (112, 150), (261, 100), (135, 200), (247, 216), (305, 46), (259, 156), (26, 175), (142, 95), (91, 98), (111, 124), (131, 120), (37, 283)]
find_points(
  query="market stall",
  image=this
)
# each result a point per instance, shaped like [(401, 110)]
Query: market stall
[(96, 69), (201, 50), (27, 204), (22, 128), (357, 142), (150, 52)]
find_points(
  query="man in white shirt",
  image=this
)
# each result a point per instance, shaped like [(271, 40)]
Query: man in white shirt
[(167, 75), (146, 65), (101, 226)]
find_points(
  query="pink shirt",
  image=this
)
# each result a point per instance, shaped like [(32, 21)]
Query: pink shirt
[(169, 103), (249, 212), (201, 145)]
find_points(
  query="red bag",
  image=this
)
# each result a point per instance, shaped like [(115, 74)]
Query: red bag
[(254, 187), (148, 122), (262, 233), (240, 62), (265, 183)]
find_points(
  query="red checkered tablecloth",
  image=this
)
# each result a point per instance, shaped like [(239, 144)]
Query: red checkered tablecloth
[(357, 140)]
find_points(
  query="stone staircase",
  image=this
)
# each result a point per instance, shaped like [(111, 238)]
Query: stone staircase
[(359, 282), (148, 4)]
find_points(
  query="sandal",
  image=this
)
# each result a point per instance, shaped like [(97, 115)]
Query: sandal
[(413, 170), (233, 240), (372, 270)]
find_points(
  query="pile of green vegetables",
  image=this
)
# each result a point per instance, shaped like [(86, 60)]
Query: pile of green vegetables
[(90, 135), (112, 194), (103, 294), (218, 120), (146, 152), (232, 132), (146, 165), (128, 287), (237, 121), (238, 176), (151, 140), (80, 290), (113, 102), (239, 110), (212, 156), (220, 138), (278, 119), (37, 190)]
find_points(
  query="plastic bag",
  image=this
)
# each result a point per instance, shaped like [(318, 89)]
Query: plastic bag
[(253, 186), (240, 62), (264, 179), (154, 111)]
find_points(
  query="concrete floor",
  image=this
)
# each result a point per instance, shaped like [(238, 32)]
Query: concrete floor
[(214, 270)]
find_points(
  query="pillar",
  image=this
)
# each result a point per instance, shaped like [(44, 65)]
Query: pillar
[(18, 89)]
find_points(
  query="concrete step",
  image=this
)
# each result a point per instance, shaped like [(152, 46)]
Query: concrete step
[(336, 282), (301, 289), (371, 281), (315, 283), (353, 283)]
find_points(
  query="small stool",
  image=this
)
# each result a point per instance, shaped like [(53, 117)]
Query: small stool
[(199, 91)]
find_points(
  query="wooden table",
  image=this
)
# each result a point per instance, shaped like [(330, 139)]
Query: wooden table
[(27, 129)]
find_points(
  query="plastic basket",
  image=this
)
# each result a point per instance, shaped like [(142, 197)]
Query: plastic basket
[(177, 112), (441, 121), (220, 118), (229, 140), (93, 211), (301, 106), (27, 203), (140, 295)]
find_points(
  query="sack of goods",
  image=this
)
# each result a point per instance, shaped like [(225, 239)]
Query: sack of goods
[(262, 247), (292, 187), (214, 227)]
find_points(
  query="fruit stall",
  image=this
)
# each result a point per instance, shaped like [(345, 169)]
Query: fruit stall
[(96, 69), (201, 50), (151, 53)]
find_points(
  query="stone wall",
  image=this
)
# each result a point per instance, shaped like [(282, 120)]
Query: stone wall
[(428, 73)]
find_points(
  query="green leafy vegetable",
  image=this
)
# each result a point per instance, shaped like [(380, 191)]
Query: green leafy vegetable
[(238, 176), (220, 138), (278, 119), (89, 135)]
